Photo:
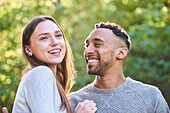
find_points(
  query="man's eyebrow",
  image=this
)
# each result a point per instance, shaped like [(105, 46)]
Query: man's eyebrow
[(47, 33), (97, 39)]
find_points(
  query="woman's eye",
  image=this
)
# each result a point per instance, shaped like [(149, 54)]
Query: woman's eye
[(43, 38), (59, 35)]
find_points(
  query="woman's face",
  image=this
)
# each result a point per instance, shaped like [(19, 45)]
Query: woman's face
[(47, 43)]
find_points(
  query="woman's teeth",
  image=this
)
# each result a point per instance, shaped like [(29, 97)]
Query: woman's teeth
[(54, 51)]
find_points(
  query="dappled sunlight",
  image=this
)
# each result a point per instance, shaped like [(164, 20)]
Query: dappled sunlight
[(147, 23)]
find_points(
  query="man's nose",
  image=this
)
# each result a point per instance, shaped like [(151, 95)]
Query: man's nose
[(89, 49)]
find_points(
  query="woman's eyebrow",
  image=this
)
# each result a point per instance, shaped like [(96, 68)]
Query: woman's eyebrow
[(47, 33), (57, 31), (42, 34)]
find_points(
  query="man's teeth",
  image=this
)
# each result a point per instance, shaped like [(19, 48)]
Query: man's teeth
[(89, 61), (55, 51)]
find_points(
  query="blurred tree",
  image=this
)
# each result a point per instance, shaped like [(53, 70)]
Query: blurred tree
[(147, 22)]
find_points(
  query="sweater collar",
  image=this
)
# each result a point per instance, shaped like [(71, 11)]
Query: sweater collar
[(120, 88)]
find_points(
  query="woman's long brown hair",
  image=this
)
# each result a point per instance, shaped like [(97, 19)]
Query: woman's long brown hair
[(65, 70)]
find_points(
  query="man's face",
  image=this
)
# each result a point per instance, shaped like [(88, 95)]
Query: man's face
[(100, 47)]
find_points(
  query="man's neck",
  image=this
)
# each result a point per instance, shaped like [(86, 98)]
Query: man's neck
[(109, 81)]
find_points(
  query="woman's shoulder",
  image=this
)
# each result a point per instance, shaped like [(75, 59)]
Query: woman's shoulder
[(41, 69), (38, 74)]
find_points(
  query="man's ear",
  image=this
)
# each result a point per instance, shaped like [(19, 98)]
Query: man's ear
[(28, 50), (121, 53)]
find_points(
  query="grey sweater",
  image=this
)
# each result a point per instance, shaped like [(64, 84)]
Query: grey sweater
[(131, 97), (38, 93)]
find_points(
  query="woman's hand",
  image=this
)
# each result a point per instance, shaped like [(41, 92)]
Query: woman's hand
[(4, 110), (88, 106)]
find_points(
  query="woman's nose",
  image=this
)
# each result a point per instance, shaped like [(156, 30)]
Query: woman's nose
[(54, 41)]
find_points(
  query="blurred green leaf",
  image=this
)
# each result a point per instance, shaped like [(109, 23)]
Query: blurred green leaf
[(146, 22)]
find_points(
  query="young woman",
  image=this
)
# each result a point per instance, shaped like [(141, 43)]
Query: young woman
[(50, 71)]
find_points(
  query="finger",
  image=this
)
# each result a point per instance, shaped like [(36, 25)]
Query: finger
[(82, 104), (92, 105), (85, 107), (94, 109), (4, 110), (85, 102), (80, 107), (89, 103)]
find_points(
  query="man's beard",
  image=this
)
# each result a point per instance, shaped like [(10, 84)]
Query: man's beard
[(102, 66)]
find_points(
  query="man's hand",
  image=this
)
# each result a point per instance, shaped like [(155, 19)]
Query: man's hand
[(4, 110), (88, 106)]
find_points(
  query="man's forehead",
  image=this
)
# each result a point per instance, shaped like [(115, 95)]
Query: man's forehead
[(101, 31), (99, 34)]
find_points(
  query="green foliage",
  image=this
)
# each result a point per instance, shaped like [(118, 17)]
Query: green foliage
[(147, 22)]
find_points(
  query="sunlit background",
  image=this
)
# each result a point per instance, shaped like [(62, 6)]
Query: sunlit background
[(146, 21)]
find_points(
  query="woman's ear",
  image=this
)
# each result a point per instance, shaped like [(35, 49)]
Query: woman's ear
[(122, 53), (28, 50)]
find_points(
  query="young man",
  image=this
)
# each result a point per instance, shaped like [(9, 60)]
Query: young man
[(106, 49)]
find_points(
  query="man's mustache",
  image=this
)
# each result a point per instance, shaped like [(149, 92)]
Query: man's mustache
[(86, 56)]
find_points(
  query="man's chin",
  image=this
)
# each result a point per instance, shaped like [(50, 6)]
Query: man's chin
[(91, 72)]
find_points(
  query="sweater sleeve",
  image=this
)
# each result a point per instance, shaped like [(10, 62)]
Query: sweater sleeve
[(39, 90), (162, 106)]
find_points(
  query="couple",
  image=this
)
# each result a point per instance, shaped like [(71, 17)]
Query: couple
[(51, 74)]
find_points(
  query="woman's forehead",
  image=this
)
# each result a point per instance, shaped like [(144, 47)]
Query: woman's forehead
[(47, 26)]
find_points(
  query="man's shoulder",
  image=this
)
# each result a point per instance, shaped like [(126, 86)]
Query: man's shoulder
[(151, 95), (80, 95), (137, 84), (144, 88), (83, 91)]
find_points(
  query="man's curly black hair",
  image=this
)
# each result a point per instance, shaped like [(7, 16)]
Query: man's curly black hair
[(117, 30)]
